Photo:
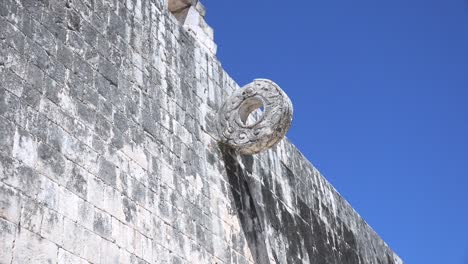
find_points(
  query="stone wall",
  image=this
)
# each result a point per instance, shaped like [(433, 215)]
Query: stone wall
[(108, 152)]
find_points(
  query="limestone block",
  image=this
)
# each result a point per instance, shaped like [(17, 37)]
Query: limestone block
[(102, 224), (24, 147), (109, 252), (25, 179), (52, 226), (31, 215), (7, 168), (51, 163), (196, 24), (123, 235), (7, 234), (10, 206), (175, 5), (86, 212), (91, 250), (75, 237), (31, 248), (107, 172), (65, 257), (68, 204)]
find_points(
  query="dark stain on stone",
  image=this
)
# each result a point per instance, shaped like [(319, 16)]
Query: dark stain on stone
[(245, 206), (77, 183), (271, 210), (107, 172), (304, 210), (210, 157), (52, 158), (291, 232), (102, 225), (129, 209), (390, 259), (248, 163), (349, 237), (74, 21)]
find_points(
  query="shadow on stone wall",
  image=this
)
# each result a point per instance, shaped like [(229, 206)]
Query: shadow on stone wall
[(249, 215), (297, 236)]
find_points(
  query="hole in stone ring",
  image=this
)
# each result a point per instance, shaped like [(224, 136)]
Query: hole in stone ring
[(249, 108)]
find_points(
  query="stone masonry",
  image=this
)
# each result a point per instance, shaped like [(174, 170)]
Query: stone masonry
[(108, 153)]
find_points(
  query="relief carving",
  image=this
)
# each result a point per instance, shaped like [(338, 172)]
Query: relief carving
[(253, 135)]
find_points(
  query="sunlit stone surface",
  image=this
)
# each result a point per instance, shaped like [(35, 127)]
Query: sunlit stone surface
[(109, 150), (268, 127)]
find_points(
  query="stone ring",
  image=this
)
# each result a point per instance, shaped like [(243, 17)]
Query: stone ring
[(250, 135)]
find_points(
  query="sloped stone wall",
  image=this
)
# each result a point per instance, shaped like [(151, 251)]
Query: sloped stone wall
[(108, 152)]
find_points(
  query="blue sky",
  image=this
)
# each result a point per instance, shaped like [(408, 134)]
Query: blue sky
[(380, 93)]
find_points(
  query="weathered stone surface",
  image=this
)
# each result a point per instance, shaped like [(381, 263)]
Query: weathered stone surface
[(10, 207), (31, 248), (271, 125), (7, 233), (109, 150)]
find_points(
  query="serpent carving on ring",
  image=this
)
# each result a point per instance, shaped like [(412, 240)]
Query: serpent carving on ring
[(272, 125)]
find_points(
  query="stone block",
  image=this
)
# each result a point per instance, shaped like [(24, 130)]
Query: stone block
[(45, 39), (75, 42), (91, 251), (65, 257), (83, 70), (53, 90), (129, 210), (7, 134), (50, 162), (78, 181), (143, 247), (52, 226), (86, 113), (25, 148), (123, 235), (35, 8), (73, 20), (109, 252), (12, 82), (95, 191), (86, 213), (7, 168), (102, 224), (7, 233), (124, 256), (10, 204), (65, 55), (69, 204), (108, 70), (13, 60), (107, 172), (31, 215), (31, 96), (35, 77), (76, 237), (37, 55), (49, 193), (31, 248), (54, 21)]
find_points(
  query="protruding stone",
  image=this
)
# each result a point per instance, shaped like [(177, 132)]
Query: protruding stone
[(180, 8), (191, 14), (250, 137)]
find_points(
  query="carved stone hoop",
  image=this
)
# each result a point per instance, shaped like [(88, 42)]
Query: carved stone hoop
[(254, 137)]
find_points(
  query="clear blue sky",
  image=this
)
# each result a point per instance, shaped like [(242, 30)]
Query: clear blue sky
[(380, 94)]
